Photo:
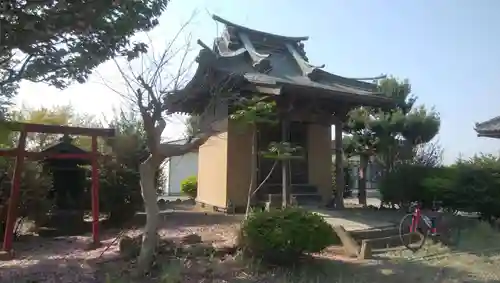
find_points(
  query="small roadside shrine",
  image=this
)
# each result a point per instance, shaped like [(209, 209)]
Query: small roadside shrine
[(68, 188), (21, 154)]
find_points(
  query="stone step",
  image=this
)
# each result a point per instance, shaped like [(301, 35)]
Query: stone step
[(379, 232), (301, 199), (307, 199), (363, 245), (381, 245), (294, 189)]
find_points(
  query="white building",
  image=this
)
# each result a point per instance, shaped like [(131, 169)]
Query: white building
[(179, 168)]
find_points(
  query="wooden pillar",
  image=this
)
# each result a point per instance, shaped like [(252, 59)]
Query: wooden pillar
[(285, 164), (14, 195), (95, 193), (339, 165)]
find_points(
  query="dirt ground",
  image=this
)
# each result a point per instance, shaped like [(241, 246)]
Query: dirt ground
[(65, 260)]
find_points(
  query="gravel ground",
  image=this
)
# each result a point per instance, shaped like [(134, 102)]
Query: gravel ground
[(66, 259)]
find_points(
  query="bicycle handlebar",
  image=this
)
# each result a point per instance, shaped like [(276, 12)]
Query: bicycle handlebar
[(415, 204)]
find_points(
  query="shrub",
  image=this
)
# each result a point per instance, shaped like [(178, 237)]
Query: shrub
[(34, 188), (408, 183), (471, 186), (189, 186), (283, 236), (476, 189), (120, 192), (120, 189)]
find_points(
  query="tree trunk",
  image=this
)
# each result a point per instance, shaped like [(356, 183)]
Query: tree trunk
[(253, 165), (150, 237), (363, 165)]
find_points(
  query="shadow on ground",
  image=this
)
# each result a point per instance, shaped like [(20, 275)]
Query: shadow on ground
[(387, 271), (321, 269), (185, 218)]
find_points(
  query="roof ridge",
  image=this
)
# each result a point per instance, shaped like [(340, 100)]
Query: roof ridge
[(282, 37)]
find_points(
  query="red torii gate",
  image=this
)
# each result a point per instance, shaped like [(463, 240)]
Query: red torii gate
[(20, 153)]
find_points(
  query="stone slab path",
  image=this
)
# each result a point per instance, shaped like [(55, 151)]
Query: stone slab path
[(354, 221)]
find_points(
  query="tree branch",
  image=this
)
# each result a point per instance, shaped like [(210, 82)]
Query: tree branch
[(16, 76), (170, 149)]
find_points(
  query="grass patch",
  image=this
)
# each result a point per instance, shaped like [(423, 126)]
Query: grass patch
[(476, 253)]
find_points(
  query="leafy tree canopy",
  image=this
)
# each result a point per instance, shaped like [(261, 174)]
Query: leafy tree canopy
[(371, 129), (389, 134), (59, 41)]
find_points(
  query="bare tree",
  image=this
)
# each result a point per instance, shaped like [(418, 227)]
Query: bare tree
[(428, 154), (149, 87)]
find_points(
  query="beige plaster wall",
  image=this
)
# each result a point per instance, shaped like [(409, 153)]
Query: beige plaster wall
[(239, 163), (212, 169), (320, 159), (225, 164), (212, 157)]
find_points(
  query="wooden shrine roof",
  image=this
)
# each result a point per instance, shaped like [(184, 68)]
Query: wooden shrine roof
[(245, 59), (489, 128)]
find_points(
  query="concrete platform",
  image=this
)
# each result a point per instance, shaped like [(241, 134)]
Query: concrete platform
[(352, 220)]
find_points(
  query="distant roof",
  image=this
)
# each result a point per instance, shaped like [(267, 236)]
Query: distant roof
[(489, 128), (251, 57)]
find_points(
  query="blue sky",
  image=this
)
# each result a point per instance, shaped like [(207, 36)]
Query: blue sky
[(450, 51)]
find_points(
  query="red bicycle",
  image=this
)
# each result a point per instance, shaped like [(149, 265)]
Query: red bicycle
[(416, 226)]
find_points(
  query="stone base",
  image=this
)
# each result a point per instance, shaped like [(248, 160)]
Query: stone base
[(5, 256), (351, 247), (64, 223), (213, 208)]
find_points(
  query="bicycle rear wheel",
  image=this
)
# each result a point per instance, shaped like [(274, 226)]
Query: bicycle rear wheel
[(412, 240)]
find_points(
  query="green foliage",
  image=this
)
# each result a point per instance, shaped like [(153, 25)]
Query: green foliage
[(120, 189), (258, 111), (119, 180), (283, 150), (470, 185), (408, 183), (388, 131), (58, 115), (283, 236), (421, 125), (476, 187), (255, 110), (6, 132), (189, 186), (35, 185), (61, 41)]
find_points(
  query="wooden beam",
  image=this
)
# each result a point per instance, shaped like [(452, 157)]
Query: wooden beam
[(495, 135), (57, 129), (95, 195)]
